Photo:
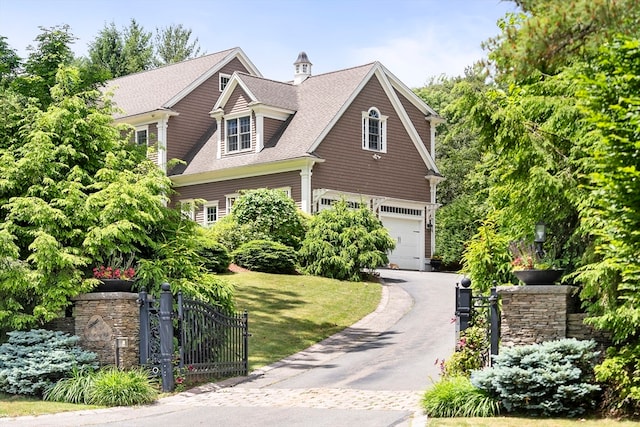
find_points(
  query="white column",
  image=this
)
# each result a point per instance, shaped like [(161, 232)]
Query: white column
[(219, 151), (433, 184), (305, 185), (259, 132), (162, 144)]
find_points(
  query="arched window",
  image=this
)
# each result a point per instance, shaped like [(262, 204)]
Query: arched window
[(374, 130)]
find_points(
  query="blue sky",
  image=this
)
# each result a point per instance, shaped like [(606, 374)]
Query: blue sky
[(414, 39)]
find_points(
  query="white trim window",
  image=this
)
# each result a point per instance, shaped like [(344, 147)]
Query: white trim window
[(238, 134), (223, 81), (230, 200), (374, 131), (142, 135), (188, 209), (210, 211)]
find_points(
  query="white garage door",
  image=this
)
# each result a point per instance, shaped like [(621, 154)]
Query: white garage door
[(409, 241)]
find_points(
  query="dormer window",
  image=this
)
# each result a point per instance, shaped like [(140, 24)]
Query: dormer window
[(374, 130), (238, 134)]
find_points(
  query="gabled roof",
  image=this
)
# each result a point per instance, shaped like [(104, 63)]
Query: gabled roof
[(317, 103), (261, 91), (161, 88)]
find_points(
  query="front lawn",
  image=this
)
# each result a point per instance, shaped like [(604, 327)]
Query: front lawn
[(286, 314), (289, 313)]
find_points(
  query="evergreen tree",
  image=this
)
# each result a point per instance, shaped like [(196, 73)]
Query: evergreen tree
[(173, 45), (344, 241), (9, 62), (137, 49), (107, 51)]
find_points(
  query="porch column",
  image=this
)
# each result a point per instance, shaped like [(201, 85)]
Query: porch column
[(305, 188)]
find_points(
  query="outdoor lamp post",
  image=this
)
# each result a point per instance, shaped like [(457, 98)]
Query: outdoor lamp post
[(540, 237)]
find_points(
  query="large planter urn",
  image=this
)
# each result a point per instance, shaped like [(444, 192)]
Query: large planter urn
[(538, 277), (114, 285)]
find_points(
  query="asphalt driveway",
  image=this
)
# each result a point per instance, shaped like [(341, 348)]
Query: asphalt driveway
[(371, 374)]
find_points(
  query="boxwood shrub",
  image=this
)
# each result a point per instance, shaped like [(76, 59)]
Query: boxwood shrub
[(216, 257), (266, 256)]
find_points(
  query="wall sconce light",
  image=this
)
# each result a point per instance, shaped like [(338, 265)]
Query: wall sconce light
[(122, 342), (376, 156), (429, 225)]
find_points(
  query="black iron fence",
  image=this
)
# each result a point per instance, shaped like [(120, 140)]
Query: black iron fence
[(210, 343), (479, 310)]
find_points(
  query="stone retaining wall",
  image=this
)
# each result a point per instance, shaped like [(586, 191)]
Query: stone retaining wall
[(533, 314), (103, 317), (537, 313)]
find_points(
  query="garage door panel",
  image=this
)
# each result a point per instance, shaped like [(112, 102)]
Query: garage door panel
[(408, 237)]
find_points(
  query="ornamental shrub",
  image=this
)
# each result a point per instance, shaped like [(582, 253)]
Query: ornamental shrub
[(471, 353), (106, 387), (271, 215), (215, 256), (620, 375), (266, 256), (114, 387), (32, 360), (342, 242), (553, 378), (73, 389), (457, 397)]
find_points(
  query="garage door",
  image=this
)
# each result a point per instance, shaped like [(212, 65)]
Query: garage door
[(409, 241)]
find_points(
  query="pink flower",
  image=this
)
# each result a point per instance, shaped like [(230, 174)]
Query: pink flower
[(103, 272)]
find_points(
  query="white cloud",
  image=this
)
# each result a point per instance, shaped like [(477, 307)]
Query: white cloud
[(413, 59)]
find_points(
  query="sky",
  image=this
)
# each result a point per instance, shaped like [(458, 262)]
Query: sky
[(414, 39)]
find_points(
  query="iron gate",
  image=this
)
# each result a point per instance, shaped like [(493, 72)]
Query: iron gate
[(210, 343)]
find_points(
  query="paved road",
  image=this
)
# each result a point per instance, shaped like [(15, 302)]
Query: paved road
[(372, 374)]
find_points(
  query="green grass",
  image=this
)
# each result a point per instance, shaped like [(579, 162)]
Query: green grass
[(289, 313), (17, 406), (286, 314)]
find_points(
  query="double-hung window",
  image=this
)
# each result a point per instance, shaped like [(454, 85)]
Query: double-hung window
[(238, 134), (374, 131), (142, 135), (210, 213)]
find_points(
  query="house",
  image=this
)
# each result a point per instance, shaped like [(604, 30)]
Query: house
[(357, 133)]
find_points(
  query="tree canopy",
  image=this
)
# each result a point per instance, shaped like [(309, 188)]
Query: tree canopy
[(133, 49), (76, 194)]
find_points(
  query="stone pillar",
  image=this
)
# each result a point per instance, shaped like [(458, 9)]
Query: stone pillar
[(534, 313), (102, 319)]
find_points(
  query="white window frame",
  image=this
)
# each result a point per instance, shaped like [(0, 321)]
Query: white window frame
[(223, 81), (139, 130), (367, 116), (188, 208), (205, 211), (230, 199), (238, 134)]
